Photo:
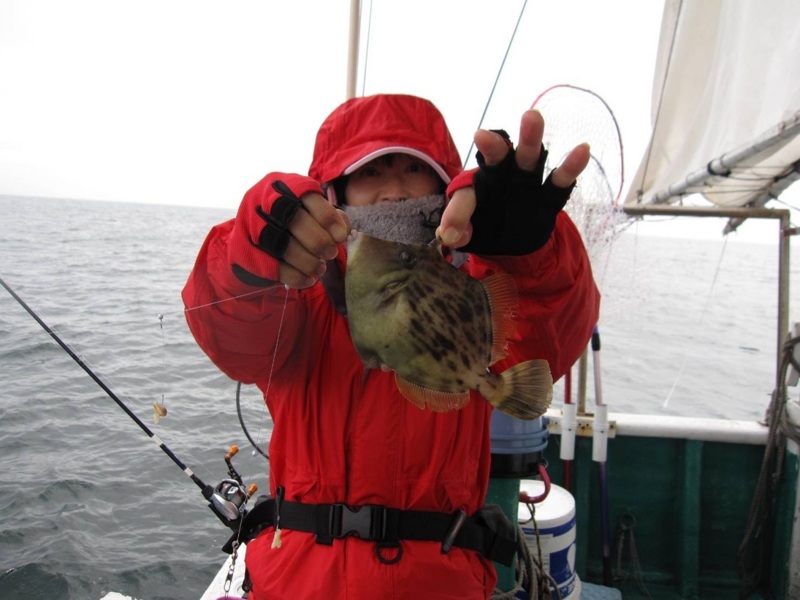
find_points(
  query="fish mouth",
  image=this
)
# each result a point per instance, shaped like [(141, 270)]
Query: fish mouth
[(353, 240)]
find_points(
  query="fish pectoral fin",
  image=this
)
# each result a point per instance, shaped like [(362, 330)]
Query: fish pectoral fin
[(437, 401)]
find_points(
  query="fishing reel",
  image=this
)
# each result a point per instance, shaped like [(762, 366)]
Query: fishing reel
[(229, 497)]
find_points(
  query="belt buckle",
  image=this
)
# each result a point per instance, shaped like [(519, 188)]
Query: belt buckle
[(366, 522)]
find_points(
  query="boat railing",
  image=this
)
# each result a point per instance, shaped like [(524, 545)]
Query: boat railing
[(667, 426)]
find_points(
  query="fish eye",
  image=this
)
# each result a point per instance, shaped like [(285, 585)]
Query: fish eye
[(408, 258)]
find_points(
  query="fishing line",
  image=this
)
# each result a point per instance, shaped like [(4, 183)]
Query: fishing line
[(706, 304), (199, 306), (238, 530), (785, 203), (657, 119), (239, 384), (366, 50), (269, 382), (163, 366), (105, 388), (253, 442), (496, 80)]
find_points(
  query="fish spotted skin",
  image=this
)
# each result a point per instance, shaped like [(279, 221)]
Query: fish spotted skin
[(439, 329)]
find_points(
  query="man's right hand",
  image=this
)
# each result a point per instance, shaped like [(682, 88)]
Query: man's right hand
[(284, 232)]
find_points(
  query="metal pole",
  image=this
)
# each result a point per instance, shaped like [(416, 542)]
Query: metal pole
[(784, 280), (639, 210), (352, 49), (721, 166), (583, 370)]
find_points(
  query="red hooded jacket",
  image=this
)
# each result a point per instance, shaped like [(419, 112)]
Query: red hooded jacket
[(343, 435)]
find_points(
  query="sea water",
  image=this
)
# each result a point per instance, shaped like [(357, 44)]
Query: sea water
[(89, 504)]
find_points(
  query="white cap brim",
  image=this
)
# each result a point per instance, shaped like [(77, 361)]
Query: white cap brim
[(399, 150)]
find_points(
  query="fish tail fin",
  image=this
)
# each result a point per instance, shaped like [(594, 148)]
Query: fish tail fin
[(527, 390)]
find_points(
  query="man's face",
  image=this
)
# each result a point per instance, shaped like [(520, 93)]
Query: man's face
[(391, 178)]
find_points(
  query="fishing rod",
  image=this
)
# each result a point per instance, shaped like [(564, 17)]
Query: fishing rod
[(227, 499), (569, 425), (600, 456)]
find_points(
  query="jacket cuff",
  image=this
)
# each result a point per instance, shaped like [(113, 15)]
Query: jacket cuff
[(462, 180)]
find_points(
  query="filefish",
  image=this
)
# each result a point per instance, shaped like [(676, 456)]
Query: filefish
[(412, 312)]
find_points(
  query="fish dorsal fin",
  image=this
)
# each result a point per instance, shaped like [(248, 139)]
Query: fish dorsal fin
[(503, 301), (437, 401)]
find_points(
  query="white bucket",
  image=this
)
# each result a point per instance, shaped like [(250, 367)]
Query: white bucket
[(555, 517)]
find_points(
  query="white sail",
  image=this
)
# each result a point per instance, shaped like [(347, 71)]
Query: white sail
[(726, 104)]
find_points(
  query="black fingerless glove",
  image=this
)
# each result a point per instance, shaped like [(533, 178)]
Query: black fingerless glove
[(260, 234), (515, 212)]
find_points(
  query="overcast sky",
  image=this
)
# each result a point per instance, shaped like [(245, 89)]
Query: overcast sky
[(190, 102)]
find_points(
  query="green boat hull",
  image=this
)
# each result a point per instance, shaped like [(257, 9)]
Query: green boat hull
[(678, 510)]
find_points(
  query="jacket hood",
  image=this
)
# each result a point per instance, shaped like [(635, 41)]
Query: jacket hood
[(363, 129)]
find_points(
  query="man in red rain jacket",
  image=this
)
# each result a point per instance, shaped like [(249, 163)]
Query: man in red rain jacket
[(344, 438)]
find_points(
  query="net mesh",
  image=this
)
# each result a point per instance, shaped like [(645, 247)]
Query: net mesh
[(572, 116)]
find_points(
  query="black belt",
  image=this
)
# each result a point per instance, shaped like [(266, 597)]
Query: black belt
[(488, 531)]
